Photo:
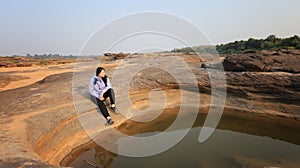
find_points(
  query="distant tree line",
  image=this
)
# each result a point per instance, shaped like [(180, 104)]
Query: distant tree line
[(271, 42), (199, 49)]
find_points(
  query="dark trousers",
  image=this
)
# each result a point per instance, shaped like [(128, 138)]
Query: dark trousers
[(109, 93)]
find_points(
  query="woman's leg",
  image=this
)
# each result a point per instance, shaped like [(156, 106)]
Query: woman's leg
[(102, 108), (111, 94)]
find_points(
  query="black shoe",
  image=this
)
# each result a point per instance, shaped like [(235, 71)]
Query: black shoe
[(110, 121), (113, 109)]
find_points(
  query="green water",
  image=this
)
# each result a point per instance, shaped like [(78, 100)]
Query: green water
[(223, 149)]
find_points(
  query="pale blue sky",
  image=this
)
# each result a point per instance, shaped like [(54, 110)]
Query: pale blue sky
[(63, 26)]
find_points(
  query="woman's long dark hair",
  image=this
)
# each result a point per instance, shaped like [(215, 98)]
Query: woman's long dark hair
[(104, 79)]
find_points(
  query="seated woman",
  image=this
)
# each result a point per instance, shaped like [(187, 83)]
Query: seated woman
[(100, 89)]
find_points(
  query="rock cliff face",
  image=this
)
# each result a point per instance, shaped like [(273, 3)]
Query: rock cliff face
[(264, 61), (269, 77), (39, 126)]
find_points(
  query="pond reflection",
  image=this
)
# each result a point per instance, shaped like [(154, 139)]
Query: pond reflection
[(241, 140), (104, 157), (223, 149)]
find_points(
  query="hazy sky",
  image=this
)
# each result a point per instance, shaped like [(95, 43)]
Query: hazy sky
[(63, 26)]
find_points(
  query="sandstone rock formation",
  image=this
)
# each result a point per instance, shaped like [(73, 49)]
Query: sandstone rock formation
[(264, 61), (39, 126)]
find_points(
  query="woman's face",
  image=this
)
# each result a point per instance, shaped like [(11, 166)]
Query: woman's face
[(102, 73)]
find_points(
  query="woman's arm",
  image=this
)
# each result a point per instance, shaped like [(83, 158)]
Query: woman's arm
[(92, 90), (107, 87)]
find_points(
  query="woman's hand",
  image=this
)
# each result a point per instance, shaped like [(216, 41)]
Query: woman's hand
[(101, 97)]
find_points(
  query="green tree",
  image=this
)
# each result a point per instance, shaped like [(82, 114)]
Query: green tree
[(259, 44), (271, 38)]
